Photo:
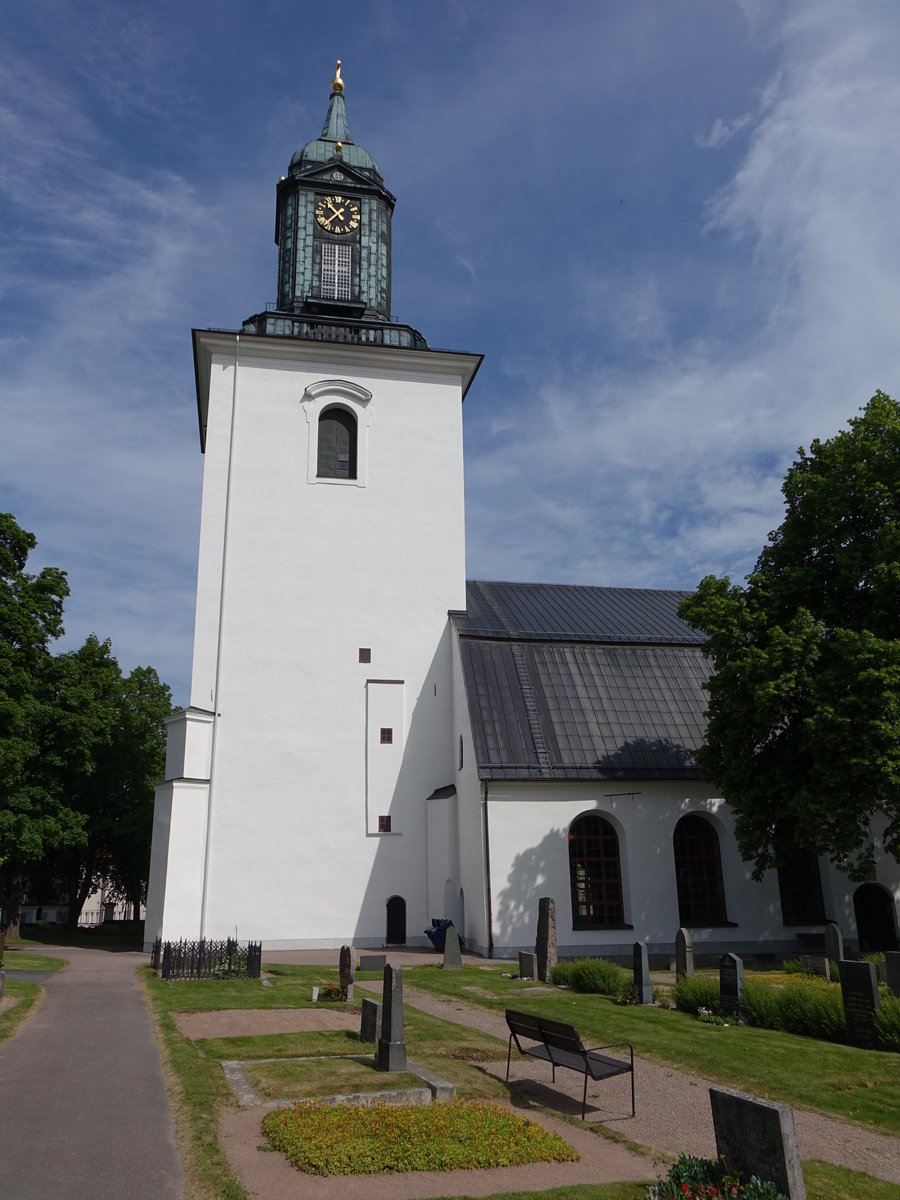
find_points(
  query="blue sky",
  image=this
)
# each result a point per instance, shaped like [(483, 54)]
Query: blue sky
[(670, 227)]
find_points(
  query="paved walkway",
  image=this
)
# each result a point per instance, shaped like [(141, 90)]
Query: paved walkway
[(83, 1107)]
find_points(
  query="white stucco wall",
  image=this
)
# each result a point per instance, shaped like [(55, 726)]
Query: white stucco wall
[(529, 858), (313, 571), (528, 830)]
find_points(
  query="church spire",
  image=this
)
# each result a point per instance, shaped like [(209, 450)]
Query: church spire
[(336, 128)]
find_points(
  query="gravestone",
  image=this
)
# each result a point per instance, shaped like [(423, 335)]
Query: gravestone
[(391, 1053), (816, 964), (643, 991), (731, 985), (452, 955), (757, 1137), (347, 969), (372, 962), (527, 965), (370, 1022), (545, 948), (684, 954), (834, 942), (891, 971), (859, 991)]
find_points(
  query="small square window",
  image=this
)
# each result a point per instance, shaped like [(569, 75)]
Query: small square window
[(387, 736), (365, 654), (384, 824)]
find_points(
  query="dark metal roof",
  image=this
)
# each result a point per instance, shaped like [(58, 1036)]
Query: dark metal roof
[(568, 683), (568, 613)]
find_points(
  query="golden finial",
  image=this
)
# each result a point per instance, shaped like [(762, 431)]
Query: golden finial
[(337, 84), (338, 147)]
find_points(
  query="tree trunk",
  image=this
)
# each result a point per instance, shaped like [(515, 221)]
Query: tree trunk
[(78, 901)]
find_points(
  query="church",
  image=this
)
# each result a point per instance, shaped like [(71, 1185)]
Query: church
[(372, 742)]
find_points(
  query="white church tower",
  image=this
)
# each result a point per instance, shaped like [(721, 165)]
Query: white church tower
[(331, 549)]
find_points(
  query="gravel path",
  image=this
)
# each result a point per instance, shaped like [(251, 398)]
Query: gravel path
[(673, 1112)]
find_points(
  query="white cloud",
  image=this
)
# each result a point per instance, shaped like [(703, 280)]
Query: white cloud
[(722, 132), (672, 469)]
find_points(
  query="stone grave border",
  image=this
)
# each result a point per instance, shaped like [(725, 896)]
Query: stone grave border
[(435, 1090)]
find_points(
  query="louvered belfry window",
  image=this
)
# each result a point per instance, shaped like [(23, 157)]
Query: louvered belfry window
[(335, 271), (337, 445), (595, 873)]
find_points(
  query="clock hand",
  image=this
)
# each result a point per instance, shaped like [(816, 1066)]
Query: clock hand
[(338, 212)]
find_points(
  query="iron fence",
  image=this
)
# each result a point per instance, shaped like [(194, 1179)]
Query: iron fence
[(207, 959)]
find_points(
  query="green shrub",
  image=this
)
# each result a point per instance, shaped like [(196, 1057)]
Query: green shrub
[(561, 974), (760, 1004), (812, 1009), (597, 975), (692, 992), (888, 1022), (792, 966), (877, 957)]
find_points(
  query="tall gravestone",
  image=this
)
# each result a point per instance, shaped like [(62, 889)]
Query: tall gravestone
[(834, 942), (731, 985), (370, 1021), (643, 990), (452, 954), (347, 971), (527, 965), (859, 991), (545, 949), (391, 1053), (757, 1137), (684, 954), (892, 971)]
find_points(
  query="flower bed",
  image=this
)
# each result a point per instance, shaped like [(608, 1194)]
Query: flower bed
[(322, 1140)]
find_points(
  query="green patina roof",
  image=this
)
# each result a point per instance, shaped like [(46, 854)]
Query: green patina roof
[(335, 129)]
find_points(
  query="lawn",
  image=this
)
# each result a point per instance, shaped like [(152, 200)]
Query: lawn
[(862, 1086), (27, 996), (452, 1050), (20, 959)]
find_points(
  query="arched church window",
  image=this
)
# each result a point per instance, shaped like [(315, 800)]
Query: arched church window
[(800, 889), (698, 873), (595, 874), (337, 444)]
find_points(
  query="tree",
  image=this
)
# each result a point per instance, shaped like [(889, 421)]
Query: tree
[(804, 697), (33, 817), (114, 795), (80, 748)]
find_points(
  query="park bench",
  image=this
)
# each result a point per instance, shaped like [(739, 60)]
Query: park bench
[(560, 1045)]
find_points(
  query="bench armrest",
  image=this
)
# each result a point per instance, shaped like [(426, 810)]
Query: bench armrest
[(613, 1046)]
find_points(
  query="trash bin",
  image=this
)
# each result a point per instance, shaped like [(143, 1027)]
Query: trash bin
[(437, 934)]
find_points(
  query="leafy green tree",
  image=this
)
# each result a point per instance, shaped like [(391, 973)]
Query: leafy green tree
[(113, 793), (803, 730), (34, 819)]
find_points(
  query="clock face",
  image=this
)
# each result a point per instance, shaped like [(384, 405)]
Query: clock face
[(337, 214)]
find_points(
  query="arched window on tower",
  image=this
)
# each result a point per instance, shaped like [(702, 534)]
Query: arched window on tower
[(595, 874), (337, 444), (698, 872)]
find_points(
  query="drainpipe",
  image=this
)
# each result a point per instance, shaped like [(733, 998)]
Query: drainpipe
[(216, 713)]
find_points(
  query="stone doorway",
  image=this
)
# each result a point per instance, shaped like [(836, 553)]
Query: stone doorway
[(396, 921)]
